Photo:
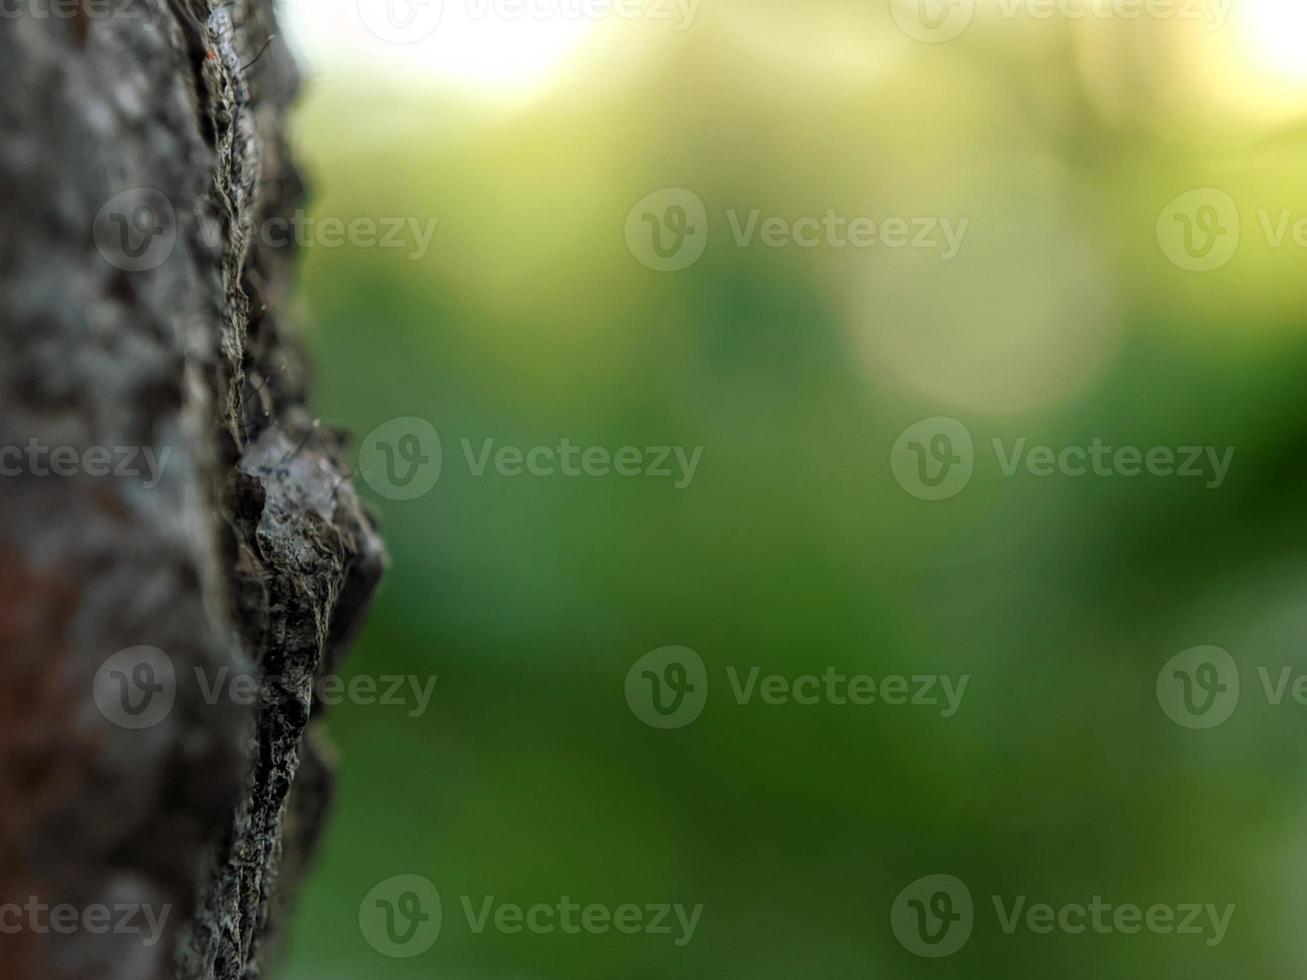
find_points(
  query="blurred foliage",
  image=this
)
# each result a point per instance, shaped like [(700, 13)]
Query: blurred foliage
[(1060, 321)]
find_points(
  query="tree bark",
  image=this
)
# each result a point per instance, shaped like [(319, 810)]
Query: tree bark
[(174, 520)]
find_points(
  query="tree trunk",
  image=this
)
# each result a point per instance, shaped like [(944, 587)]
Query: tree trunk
[(182, 553)]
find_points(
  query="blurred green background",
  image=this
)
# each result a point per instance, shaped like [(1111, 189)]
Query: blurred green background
[(1061, 320)]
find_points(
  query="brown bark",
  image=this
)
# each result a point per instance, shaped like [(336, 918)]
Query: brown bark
[(141, 150)]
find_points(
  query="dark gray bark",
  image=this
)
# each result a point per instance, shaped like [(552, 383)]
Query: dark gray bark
[(141, 311)]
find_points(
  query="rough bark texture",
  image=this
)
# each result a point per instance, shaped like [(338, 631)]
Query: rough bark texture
[(139, 310)]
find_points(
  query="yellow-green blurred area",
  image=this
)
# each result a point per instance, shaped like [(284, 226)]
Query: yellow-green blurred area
[(1063, 318)]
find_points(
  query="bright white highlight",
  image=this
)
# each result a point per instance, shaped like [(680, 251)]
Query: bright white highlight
[(496, 46), (1277, 33)]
